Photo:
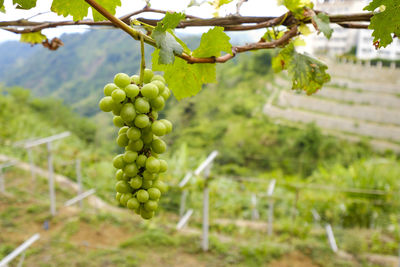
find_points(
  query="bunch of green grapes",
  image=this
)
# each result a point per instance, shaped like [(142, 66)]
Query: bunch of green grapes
[(136, 107)]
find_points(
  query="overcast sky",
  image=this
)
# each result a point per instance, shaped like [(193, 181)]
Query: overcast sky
[(252, 7)]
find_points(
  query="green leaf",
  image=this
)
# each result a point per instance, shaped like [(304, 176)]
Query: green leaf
[(110, 5), (168, 46), (385, 23), (185, 47), (296, 6), (170, 21), (24, 4), (78, 9), (184, 79), (212, 43), (322, 21), (2, 8), (33, 38), (307, 73)]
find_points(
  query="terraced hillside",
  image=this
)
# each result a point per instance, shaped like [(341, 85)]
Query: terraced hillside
[(359, 103)]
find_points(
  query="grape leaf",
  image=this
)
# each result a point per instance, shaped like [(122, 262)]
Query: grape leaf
[(296, 6), (212, 43), (322, 21), (385, 23), (307, 73), (78, 9), (24, 4), (170, 21), (2, 8), (110, 5), (33, 38)]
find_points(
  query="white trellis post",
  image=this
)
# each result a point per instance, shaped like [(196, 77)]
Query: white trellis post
[(316, 216), (331, 238), (21, 249), (270, 191), (2, 182), (183, 221), (254, 212), (182, 205), (79, 197)]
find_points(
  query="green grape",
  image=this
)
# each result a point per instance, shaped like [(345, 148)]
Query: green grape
[(168, 125), (158, 128), (147, 184), (123, 187), (135, 145), (126, 177), (116, 110), (157, 103), (150, 205), (133, 133), (136, 182), (158, 78), (109, 88), (147, 138), (122, 80), (118, 95), (141, 160), (118, 162), (163, 165), (152, 165), (149, 91), (119, 175), (118, 121), (137, 211), (106, 104), (123, 130), (125, 198), (142, 121), (147, 75), (142, 196), (146, 214), (160, 85), (154, 114), (132, 90), (161, 186), (128, 112), (118, 196), (133, 204), (122, 140), (131, 170), (154, 193), (130, 156), (135, 79), (148, 175), (142, 105), (158, 146), (166, 93)]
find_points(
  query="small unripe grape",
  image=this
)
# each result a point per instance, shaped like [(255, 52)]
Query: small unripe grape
[(133, 203), (157, 103), (106, 104), (154, 114), (128, 112), (163, 165), (168, 125), (166, 93), (109, 88), (150, 205), (135, 79), (147, 75), (147, 184), (116, 110), (122, 80), (147, 138), (149, 90), (158, 128), (158, 146), (123, 187), (118, 121), (147, 215), (130, 156), (122, 140), (142, 196), (136, 182), (132, 90), (152, 165), (154, 193), (118, 196), (158, 78), (126, 177), (161, 186), (142, 105), (142, 121), (148, 175), (125, 198), (119, 174), (135, 145), (160, 85), (118, 162), (133, 133), (123, 130), (131, 170), (118, 95), (141, 160)]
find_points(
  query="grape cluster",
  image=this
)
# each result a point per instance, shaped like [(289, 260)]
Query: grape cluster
[(136, 107)]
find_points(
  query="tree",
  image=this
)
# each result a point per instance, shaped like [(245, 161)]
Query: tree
[(185, 70)]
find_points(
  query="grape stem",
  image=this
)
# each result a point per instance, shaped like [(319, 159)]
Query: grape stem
[(142, 61)]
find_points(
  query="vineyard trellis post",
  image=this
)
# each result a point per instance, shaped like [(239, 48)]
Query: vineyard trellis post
[(21, 249), (254, 212), (270, 191), (331, 237)]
